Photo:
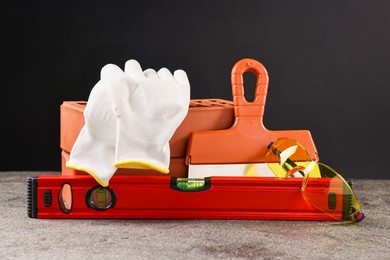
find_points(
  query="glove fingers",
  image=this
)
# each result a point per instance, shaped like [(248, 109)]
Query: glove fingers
[(111, 73), (151, 74), (133, 69), (165, 74), (113, 76), (181, 77)]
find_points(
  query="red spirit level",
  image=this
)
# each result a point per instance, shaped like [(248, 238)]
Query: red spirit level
[(51, 196)]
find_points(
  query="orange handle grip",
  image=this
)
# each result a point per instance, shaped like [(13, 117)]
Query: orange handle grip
[(242, 106)]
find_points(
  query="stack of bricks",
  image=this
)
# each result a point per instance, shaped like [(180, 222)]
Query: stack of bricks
[(203, 115)]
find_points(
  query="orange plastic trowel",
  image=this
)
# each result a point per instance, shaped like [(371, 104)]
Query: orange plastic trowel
[(241, 149)]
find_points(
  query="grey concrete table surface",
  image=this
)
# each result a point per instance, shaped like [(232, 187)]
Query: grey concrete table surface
[(25, 238)]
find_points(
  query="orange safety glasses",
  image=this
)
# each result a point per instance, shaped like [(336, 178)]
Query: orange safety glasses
[(288, 159)]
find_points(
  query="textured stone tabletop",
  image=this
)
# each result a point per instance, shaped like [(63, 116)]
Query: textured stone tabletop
[(25, 238)]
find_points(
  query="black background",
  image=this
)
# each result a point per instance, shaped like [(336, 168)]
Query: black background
[(328, 63)]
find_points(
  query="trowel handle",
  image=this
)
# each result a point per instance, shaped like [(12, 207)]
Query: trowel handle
[(242, 106)]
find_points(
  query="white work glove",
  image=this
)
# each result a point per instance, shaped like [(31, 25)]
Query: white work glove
[(94, 149), (149, 107)]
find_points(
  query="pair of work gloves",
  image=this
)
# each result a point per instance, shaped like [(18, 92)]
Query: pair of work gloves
[(130, 117)]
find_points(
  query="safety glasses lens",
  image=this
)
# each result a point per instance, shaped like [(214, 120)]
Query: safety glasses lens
[(322, 186), (287, 158), (333, 195)]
